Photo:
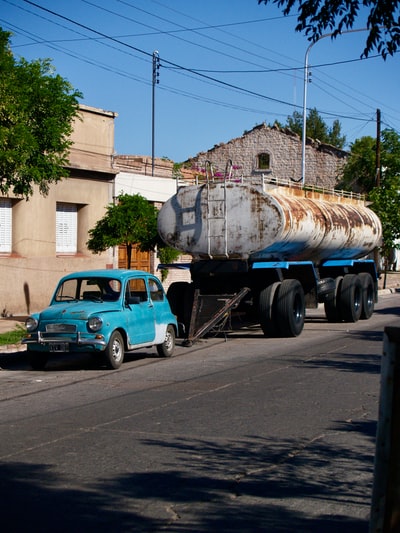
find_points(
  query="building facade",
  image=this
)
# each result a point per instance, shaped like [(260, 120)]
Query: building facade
[(277, 153), (45, 237)]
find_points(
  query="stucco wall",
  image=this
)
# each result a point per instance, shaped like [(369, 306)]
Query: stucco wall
[(30, 272), (34, 267)]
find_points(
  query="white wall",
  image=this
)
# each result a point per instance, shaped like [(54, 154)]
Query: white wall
[(150, 187)]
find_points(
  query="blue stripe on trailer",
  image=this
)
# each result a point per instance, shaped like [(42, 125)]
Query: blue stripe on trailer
[(280, 264), (345, 262)]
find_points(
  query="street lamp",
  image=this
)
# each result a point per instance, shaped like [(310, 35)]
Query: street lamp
[(156, 74), (306, 80)]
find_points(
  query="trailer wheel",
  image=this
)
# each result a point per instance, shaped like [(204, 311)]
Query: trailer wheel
[(351, 298), (188, 308), (332, 302), (266, 309), (368, 295), (290, 308), (176, 298)]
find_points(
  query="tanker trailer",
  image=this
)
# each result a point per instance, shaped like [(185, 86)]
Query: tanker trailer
[(270, 250)]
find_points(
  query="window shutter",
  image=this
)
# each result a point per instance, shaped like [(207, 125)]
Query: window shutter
[(5, 225), (66, 228)]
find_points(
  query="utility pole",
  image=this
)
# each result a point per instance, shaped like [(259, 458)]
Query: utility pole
[(156, 80), (378, 149)]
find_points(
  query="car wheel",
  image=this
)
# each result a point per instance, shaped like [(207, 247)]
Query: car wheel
[(114, 352), (37, 360), (166, 349)]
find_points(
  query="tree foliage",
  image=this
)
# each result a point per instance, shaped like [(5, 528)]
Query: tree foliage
[(359, 173), (316, 18), (316, 128), (386, 204), (37, 107), (132, 221)]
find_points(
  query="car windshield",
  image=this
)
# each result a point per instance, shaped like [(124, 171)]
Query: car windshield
[(93, 288)]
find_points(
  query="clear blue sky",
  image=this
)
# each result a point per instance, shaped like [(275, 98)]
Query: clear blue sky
[(225, 66)]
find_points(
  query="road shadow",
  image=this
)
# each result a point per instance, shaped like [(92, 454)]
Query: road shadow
[(246, 486)]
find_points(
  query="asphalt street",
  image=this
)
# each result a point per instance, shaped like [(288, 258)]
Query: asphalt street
[(236, 434)]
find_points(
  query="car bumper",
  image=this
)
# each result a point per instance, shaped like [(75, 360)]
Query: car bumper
[(65, 343)]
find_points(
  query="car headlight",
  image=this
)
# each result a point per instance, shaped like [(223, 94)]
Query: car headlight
[(31, 323), (95, 323)]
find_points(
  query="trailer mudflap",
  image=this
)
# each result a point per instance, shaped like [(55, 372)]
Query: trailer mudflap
[(210, 309)]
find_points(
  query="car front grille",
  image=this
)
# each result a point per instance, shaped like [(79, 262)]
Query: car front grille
[(61, 328)]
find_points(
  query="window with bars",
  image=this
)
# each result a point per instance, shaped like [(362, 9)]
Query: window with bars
[(66, 228), (5, 225)]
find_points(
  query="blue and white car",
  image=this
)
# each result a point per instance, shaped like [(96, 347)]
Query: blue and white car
[(106, 312)]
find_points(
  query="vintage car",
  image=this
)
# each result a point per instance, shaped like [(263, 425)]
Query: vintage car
[(106, 312)]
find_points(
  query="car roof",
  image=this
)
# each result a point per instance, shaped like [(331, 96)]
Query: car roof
[(115, 273)]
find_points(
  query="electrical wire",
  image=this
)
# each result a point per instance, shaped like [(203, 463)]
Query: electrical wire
[(171, 65)]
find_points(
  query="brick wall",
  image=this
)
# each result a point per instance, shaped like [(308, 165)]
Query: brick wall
[(323, 162)]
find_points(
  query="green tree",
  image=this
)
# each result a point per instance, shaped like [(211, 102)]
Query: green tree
[(386, 204), (359, 173), (132, 221), (316, 128), (37, 107), (316, 18)]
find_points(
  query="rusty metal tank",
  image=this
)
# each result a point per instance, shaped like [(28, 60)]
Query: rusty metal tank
[(269, 222)]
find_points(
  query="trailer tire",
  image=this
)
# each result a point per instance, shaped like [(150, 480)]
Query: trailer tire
[(176, 298), (332, 302), (188, 308), (368, 295), (267, 309), (290, 308), (351, 298)]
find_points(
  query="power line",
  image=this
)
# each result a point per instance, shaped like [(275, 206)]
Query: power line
[(171, 65)]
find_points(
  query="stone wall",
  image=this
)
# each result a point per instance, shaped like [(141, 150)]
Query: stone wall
[(323, 162)]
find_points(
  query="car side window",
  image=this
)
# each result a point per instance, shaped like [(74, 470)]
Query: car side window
[(156, 290), (136, 288)]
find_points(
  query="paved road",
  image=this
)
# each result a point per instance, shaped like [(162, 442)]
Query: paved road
[(240, 434)]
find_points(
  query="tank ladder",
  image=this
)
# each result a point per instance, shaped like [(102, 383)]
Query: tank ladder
[(217, 215)]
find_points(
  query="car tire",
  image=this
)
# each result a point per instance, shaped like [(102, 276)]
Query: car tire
[(115, 351), (166, 349), (37, 360)]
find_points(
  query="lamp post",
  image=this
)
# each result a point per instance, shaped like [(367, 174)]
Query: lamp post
[(156, 74), (306, 81)]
